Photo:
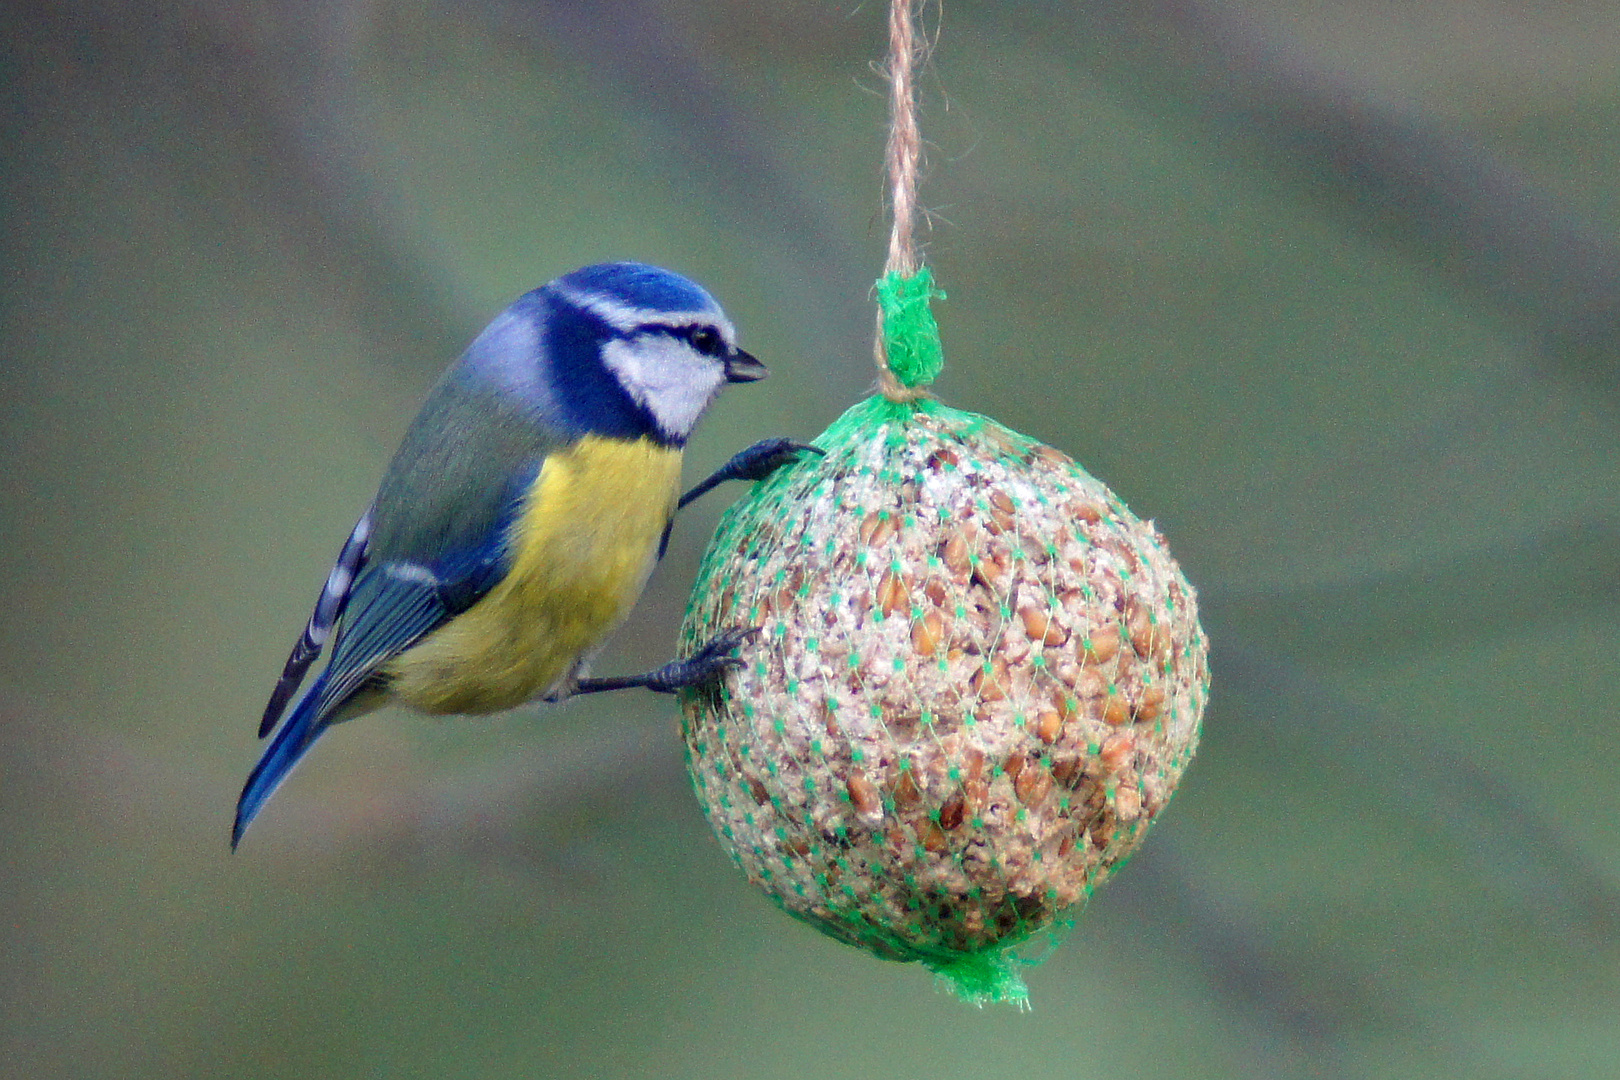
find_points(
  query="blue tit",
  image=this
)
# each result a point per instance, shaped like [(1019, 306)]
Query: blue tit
[(520, 518)]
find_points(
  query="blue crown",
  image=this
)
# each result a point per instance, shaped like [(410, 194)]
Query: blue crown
[(639, 285)]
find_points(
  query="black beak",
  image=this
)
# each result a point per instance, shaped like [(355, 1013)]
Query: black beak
[(741, 367)]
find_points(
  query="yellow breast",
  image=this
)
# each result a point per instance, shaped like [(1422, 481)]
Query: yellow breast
[(582, 547)]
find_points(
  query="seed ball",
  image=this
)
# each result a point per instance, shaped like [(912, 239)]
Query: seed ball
[(977, 681)]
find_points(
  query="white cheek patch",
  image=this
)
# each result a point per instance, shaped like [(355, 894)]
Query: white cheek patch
[(666, 376)]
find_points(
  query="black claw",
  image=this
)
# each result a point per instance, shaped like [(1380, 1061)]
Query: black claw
[(755, 462), (703, 665), (766, 456)]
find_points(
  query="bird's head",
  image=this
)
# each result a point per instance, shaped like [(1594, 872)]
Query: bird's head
[(618, 349)]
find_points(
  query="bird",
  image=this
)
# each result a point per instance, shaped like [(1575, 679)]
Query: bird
[(519, 520)]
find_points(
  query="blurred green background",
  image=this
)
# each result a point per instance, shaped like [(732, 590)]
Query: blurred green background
[(1331, 290)]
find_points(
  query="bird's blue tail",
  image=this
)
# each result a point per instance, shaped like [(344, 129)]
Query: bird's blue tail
[(296, 736)]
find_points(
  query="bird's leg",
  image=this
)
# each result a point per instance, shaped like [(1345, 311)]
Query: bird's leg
[(753, 463), (701, 666)]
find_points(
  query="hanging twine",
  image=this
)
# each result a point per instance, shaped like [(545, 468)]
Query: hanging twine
[(904, 153), (907, 349)]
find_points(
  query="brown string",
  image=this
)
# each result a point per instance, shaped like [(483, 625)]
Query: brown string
[(902, 161), (904, 153)]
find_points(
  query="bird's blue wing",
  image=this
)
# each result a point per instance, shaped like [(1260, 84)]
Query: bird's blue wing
[(391, 605), (432, 545), (328, 609), (396, 604)]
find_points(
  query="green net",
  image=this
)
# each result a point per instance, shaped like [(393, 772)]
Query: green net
[(978, 679)]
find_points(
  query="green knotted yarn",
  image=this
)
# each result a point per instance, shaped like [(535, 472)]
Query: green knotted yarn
[(977, 682), (911, 343), (990, 977)]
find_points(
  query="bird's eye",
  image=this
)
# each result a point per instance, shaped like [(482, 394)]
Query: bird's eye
[(707, 340)]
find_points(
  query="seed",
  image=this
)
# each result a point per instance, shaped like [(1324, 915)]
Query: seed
[(1066, 848), (991, 685), (1116, 752), (886, 526), (1048, 727), (990, 569), (1088, 512), (1148, 708), (892, 595), (1033, 785), (954, 554), (1140, 627), (1090, 792), (931, 837), (757, 790), (1001, 501), (1040, 626), (951, 814), (906, 795), (1115, 711), (926, 633), (1102, 831), (863, 796), (1068, 772), (1100, 647), (935, 591), (1014, 764), (1051, 455), (976, 794)]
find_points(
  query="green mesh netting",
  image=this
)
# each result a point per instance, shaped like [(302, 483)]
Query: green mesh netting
[(978, 679)]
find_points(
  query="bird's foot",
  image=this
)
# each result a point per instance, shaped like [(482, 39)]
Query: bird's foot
[(703, 665), (755, 462)]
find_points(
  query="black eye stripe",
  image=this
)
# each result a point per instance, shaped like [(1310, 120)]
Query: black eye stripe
[(705, 339)]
